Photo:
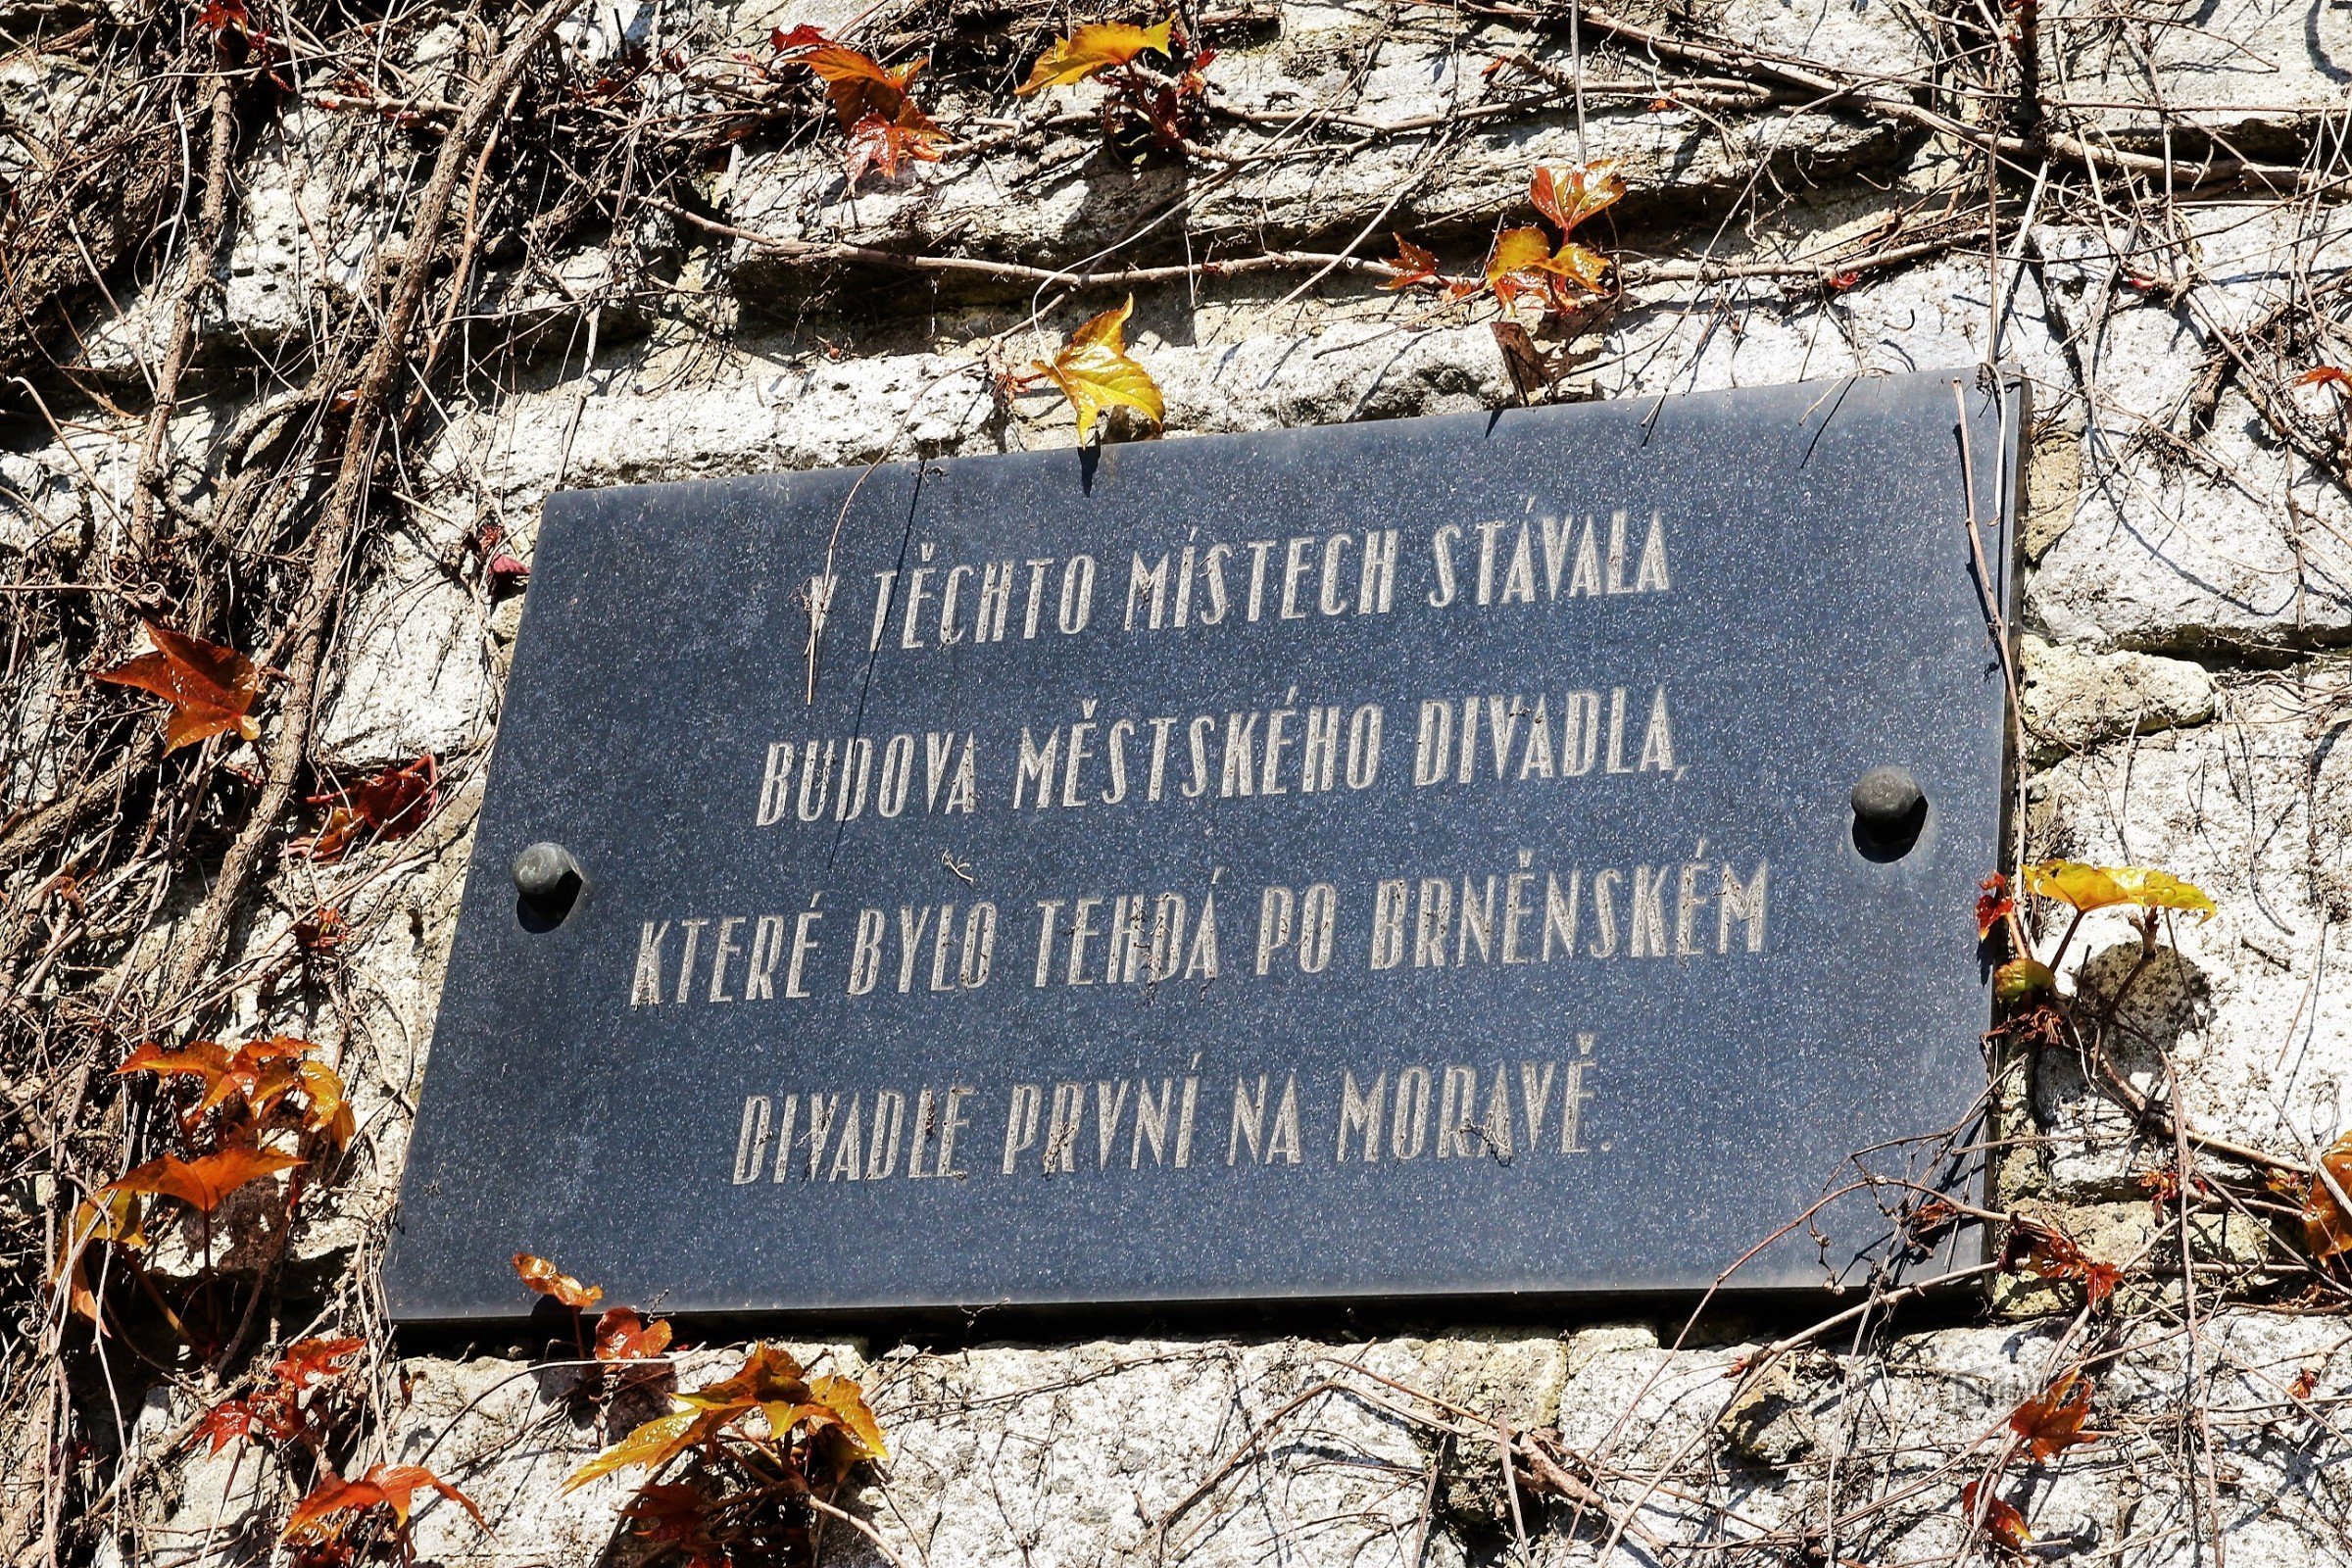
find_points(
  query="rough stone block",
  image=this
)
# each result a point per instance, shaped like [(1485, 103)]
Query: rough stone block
[(2256, 809), (2075, 699)]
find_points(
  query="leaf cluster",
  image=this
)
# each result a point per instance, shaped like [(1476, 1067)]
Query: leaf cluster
[(256, 1111), (279, 1410), (1541, 261), (1161, 107), (886, 130)]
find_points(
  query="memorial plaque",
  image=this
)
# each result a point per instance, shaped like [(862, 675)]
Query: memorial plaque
[(1515, 853)]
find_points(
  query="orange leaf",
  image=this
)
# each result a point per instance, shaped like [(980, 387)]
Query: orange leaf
[(390, 805), (1568, 198), (2052, 1422), (308, 1361), (856, 83), (393, 1485), (210, 688), (889, 145), (2324, 376), (255, 1073), (205, 1182), (2002, 1522), (542, 1276), (1994, 904), (2326, 1228), (622, 1335), (1412, 264), (1093, 49), (198, 1059), (768, 1374)]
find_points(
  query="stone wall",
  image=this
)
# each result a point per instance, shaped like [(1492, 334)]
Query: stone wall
[(2190, 545)]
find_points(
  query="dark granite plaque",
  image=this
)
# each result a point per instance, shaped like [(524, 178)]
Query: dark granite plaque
[(1396, 859)]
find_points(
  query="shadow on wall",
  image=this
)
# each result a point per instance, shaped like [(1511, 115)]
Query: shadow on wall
[(2158, 1001)]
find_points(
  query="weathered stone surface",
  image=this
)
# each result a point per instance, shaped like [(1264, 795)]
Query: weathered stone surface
[(2252, 71), (270, 268), (2191, 531), (415, 661), (1869, 38), (2074, 699), (801, 411), (1064, 200), (2256, 809), (1938, 316)]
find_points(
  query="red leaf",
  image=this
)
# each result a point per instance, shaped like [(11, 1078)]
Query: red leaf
[(320, 933), (1568, 198), (889, 145), (308, 1361), (2324, 376), (390, 805), (505, 568), (1994, 904), (216, 17), (673, 1514), (2003, 1523), (227, 1422), (545, 1278), (2052, 1422), (2053, 1255), (856, 83), (1412, 264), (210, 688), (622, 1335)]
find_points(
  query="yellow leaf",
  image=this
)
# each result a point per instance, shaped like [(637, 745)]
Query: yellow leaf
[(847, 1401), (1586, 267), (1516, 249), (1098, 47), (653, 1444), (1093, 372), (2100, 887), (114, 1217), (329, 1111)]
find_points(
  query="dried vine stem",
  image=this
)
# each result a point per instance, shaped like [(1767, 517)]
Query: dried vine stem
[(331, 536), (198, 280)]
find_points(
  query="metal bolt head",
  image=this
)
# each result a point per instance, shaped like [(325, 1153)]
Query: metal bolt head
[(1890, 810), (1886, 798), (546, 875)]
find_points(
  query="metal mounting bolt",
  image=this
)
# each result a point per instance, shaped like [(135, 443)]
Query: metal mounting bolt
[(548, 878), (1890, 809)]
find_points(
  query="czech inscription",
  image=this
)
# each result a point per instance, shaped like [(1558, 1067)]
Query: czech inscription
[(1045, 853)]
